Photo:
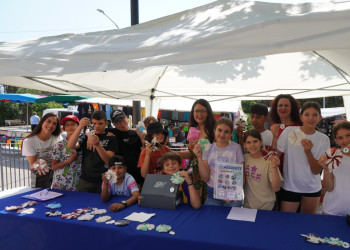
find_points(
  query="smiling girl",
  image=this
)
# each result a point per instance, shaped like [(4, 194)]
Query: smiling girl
[(222, 151), (38, 145), (262, 176), (337, 184), (302, 181)]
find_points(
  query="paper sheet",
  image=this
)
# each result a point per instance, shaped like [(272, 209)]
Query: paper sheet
[(42, 195), (243, 214), (140, 217)]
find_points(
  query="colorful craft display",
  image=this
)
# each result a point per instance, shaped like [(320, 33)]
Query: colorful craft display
[(313, 238), (334, 156), (296, 136), (193, 134), (145, 227), (176, 178), (75, 214), (270, 152)]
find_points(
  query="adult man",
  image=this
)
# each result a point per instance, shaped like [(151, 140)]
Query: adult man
[(129, 143), (177, 133), (34, 120)]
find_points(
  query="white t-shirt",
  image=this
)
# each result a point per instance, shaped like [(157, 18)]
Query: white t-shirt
[(42, 149), (297, 173), (337, 202), (267, 137), (230, 154)]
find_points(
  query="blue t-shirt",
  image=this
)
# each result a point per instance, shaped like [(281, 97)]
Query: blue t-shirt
[(34, 120), (128, 186)]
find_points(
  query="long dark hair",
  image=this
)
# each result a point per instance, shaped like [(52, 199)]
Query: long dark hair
[(343, 125), (210, 121), (38, 128), (295, 107)]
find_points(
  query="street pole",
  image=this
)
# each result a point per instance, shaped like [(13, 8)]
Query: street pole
[(136, 110)]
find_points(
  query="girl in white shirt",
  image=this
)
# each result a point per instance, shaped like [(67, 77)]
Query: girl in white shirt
[(302, 181), (336, 183)]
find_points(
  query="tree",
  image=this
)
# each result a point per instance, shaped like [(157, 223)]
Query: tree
[(9, 111)]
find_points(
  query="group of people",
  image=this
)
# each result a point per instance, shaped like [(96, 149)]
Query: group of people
[(81, 159)]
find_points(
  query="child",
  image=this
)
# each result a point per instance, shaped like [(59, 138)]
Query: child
[(125, 186), (337, 184), (222, 151), (302, 181), (150, 156), (66, 163), (94, 160), (258, 117), (171, 163), (263, 178)]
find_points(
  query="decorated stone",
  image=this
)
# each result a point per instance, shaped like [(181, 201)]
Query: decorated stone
[(86, 216), (103, 219), (145, 227), (162, 228)]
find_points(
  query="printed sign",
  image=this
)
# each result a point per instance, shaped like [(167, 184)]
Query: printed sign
[(228, 181)]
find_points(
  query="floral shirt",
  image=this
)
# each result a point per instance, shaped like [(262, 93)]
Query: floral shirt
[(65, 178)]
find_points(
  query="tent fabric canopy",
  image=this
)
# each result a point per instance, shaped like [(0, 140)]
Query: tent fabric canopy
[(221, 51), (61, 98), (19, 98)]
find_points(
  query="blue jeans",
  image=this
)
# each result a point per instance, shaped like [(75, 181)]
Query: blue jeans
[(216, 202)]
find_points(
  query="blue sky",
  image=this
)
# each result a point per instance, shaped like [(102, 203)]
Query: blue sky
[(30, 19)]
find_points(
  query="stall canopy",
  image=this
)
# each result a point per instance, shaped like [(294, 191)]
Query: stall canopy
[(61, 98), (19, 98), (226, 50)]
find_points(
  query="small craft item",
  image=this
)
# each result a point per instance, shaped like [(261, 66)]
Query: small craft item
[(282, 126), (193, 134), (296, 136), (334, 156), (26, 211), (98, 211), (162, 228), (155, 143), (12, 208), (122, 222), (145, 227), (53, 213), (82, 210), (103, 219), (176, 178), (28, 204), (110, 222), (313, 238), (140, 126), (172, 232), (69, 216), (111, 176), (53, 205), (42, 164), (204, 143), (270, 152), (240, 122), (86, 216), (346, 150), (190, 170)]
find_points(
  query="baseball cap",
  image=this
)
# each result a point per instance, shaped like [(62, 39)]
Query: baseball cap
[(116, 160), (69, 118), (116, 115)]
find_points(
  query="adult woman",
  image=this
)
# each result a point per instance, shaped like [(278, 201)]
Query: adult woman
[(202, 118), (284, 113), (38, 145)]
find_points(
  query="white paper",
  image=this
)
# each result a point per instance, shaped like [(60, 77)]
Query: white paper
[(42, 195), (243, 214), (140, 217)]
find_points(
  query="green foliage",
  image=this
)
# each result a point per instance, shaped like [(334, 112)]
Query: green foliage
[(9, 111), (246, 105)]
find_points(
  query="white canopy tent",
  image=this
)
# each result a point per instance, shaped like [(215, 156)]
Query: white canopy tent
[(226, 50)]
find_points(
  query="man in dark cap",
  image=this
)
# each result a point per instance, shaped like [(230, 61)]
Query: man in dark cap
[(129, 143)]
